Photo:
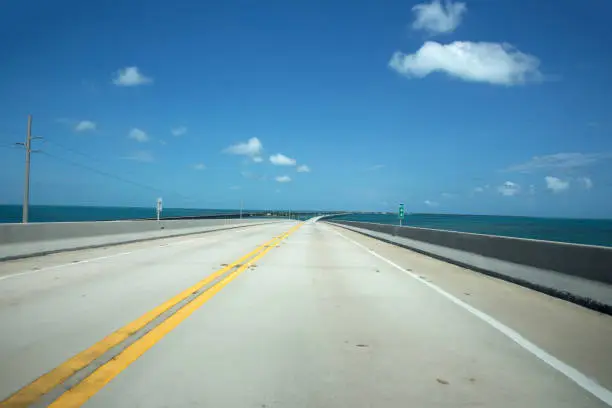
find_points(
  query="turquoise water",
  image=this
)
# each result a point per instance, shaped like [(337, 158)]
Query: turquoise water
[(579, 231), (53, 213), (64, 213)]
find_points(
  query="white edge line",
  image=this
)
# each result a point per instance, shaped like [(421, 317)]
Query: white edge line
[(24, 273), (15, 275), (570, 372)]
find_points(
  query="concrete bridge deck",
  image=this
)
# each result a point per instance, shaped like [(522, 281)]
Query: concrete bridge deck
[(288, 315)]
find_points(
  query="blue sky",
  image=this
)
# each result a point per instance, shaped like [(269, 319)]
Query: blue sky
[(485, 106)]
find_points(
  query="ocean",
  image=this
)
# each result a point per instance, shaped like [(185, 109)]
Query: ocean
[(578, 231), (60, 213)]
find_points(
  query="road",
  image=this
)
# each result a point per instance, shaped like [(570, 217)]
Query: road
[(312, 316)]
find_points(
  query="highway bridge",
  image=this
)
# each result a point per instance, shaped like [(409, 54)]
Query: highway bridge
[(280, 313), (295, 215)]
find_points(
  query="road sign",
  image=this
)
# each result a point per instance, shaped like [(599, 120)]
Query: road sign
[(159, 207), (401, 212)]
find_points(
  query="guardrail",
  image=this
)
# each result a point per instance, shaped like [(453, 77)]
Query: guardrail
[(580, 273)]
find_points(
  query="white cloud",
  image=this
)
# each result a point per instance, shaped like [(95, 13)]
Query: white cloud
[(531, 189), (130, 76), (162, 142), (448, 195), (555, 184), (431, 203), (282, 160), (179, 131), (437, 18), (199, 166), (65, 121), (376, 167), (85, 125), (252, 176), (257, 159), (141, 156), (493, 63), (252, 148), (138, 135), (587, 182), (303, 169), (283, 179), (234, 188), (562, 161), (509, 189), (479, 190)]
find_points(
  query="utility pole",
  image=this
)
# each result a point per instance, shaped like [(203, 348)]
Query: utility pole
[(26, 187), (241, 203)]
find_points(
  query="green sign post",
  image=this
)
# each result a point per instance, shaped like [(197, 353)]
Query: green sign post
[(401, 213)]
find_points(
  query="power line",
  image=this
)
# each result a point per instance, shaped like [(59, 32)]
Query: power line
[(110, 175), (27, 146), (70, 149), (9, 146), (106, 173)]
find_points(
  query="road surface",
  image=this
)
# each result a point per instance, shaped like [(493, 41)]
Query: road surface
[(312, 316)]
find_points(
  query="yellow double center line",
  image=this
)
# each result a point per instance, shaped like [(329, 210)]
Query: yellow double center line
[(86, 388)]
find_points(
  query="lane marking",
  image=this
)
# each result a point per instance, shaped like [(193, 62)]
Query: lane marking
[(83, 391), (14, 275), (45, 383), (170, 244), (586, 383)]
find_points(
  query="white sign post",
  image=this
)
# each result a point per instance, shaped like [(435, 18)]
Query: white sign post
[(159, 207)]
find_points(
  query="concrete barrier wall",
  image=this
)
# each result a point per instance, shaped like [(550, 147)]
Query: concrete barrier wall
[(580, 273), (20, 240)]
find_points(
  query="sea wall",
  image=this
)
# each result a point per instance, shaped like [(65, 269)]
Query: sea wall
[(21, 240), (581, 273)]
